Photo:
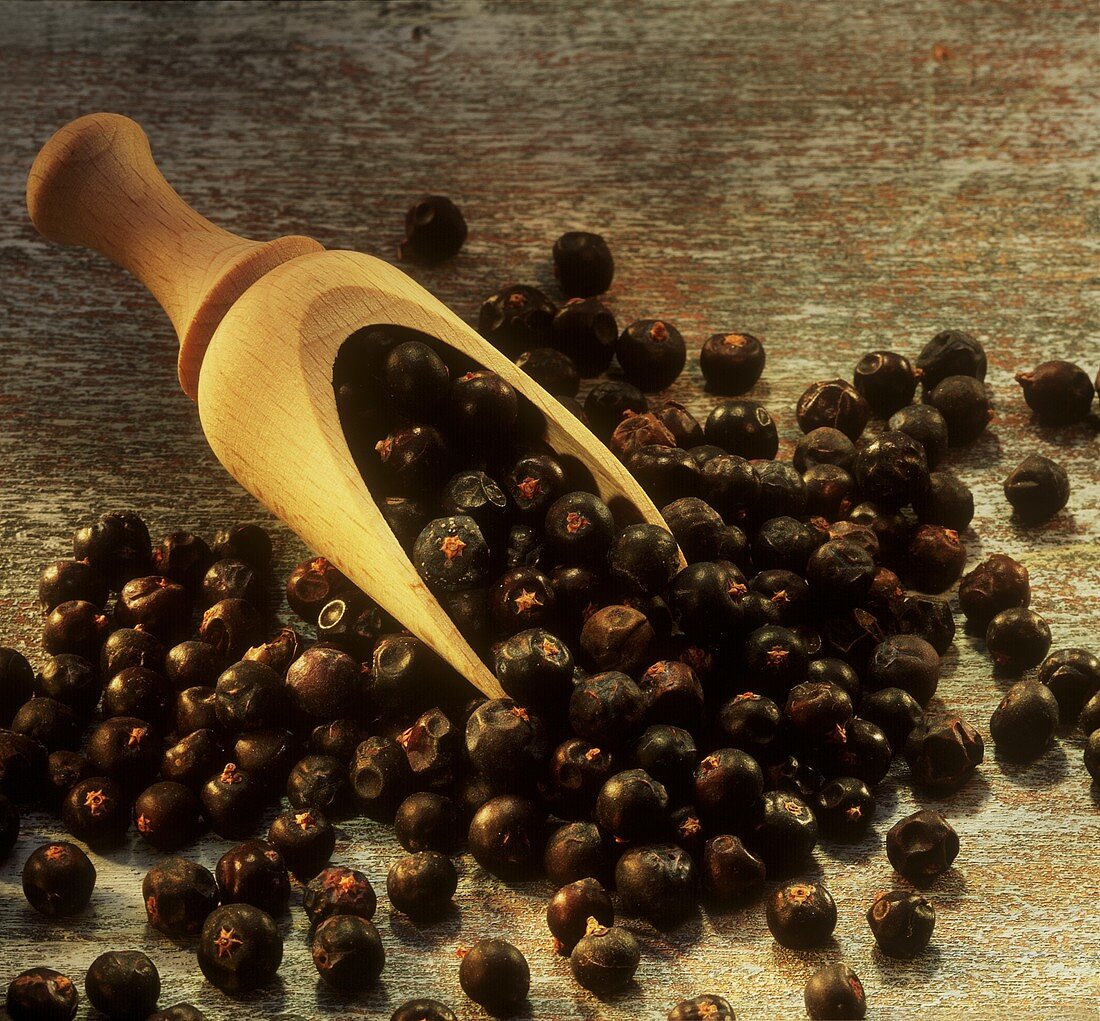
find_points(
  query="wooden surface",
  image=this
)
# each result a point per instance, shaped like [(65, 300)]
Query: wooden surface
[(832, 177)]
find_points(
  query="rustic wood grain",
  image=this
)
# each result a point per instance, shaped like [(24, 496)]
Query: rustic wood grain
[(832, 177)]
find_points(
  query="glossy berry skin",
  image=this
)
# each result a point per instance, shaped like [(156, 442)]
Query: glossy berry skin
[(1024, 722), (435, 230), (570, 909), (96, 811), (1037, 488), (997, 583), (305, 840), (922, 846), (380, 776), (1017, 640), (339, 891), (633, 807), (250, 696), (58, 880), (658, 882), (552, 369), (951, 353), (233, 579), (652, 354), (1059, 392), (618, 638), (708, 1007), (644, 559), (924, 424), (193, 759), (608, 401), (731, 363), (516, 319), (504, 740), (410, 460), (232, 627), (894, 711), (117, 545), (66, 580), (178, 895), (674, 693), (577, 850), (834, 403), (507, 837), (605, 959), (240, 949), (839, 573), (576, 771), (232, 801), (902, 922), (814, 710), (703, 603), (191, 664), (1087, 722), (580, 528), (248, 541), (1074, 677), (886, 381), (947, 501), (17, 683), (936, 558), (775, 661), (347, 952), (123, 984), (75, 627), (311, 584), (835, 991), (583, 265), (427, 821), (928, 617), (907, 662), (727, 785), (585, 331), (730, 871), (167, 815), (1092, 755), (534, 668), (423, 1010), (801, 915), (891, 470), (254, 873), (783, 832), (824, 445), (422, 885), (41, 994), (494, 974), (965, 408), (744, 428), (943, 754), (845, 809)]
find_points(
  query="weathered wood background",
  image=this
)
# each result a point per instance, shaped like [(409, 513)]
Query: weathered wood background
[(833, 177)]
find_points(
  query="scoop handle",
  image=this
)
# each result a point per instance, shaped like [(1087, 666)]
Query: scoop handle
[(95, 184)]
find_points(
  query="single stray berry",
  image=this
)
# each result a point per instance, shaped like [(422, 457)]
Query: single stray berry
[(835, 992)]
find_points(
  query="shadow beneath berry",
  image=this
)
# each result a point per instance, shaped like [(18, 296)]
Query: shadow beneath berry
[(272, 996), (1095, 791), (372, 1001), (1050, 768), (620, 995), (427, 934), (674, 941), (966, 801), (856, 851), (1067, 435), (799, 965), (908, 970), (948, 886)]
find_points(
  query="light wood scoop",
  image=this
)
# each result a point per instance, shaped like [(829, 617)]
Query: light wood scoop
[(263, 321)]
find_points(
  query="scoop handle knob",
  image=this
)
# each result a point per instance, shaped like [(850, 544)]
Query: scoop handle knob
[(94, 183)]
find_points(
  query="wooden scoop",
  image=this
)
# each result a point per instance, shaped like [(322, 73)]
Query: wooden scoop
[(259, 326)]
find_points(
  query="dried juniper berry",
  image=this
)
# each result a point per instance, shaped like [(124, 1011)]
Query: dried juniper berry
[(126, 749), (240, 948), (815, 709), (583, 265), (577, 850), (728, 784), (178, 1012), (552, 369), (96, 811), (178, 895), (338, 737), (192, 664), (859, 749), (67, 580), (234, 579), (483, 407), (323, 683), (58, 879), (894, 711), (75, 627), (658, 882), (41, 994), (576, 772), (495, 975), (731, 486), (64, 770), (947, 501), (51, 723), (504, 739), (117, 545), (943, 754), (902, 922), (520, 599), (951, 353), (427, 821), (684, 427), (922, 846), (928, 617), (834, 403), (585, 331), (839, 573), (835, 992), (845, 809), (936, 558), (320, 782), (605, 959), (907, 662), (347, 952), (570, 909), (1037, 488), (17, 683), (965, 407), (534, 482), (633, 807), (138, 691), (618, 638), (232, 627), (751, 723), (451, 554), (1059, 392), (435, 230), (891, 470), (1092, 755), (744, 428), (997, 583), (433, 745), (406, 515), (607, 709), (193, 759), (123, 984), (673, 693), (411, 460), (422, 885), (249, 542), (580, 528), (267, 756), (423, 1009), (254, 873), (708, 1007), (783, 832), (338, 891), (775, 660), (801, 915), (516, 319), (1017, 639), (787, 590), (381, 776), (665, 754), (250, 696), (167, 815), (824, 445), (703, 598), (534, 668), (652, 353), (233, 802), (1073, 675), (1024, 722), (507, 837), (643, 559), (312, 584), (196, 709), (730, 871), (926, 425), (608, 401), (731, 363), (783, 543), (886, 380), (781, 491), (305, 839)]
